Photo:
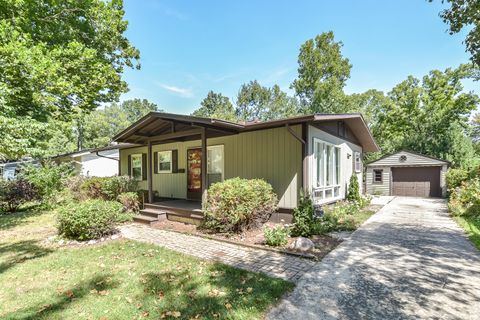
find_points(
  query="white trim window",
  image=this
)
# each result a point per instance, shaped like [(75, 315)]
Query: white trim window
[(137, 166), (215, 161), (164, 161), (326, 171), (357, 162)]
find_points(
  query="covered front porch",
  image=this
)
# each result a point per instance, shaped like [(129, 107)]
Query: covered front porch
[(171, 163)]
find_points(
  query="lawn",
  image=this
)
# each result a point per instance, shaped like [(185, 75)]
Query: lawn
[(118, 280), (471, 225)]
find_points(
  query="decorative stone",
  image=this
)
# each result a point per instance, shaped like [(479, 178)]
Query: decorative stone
[(115, 236), (61, 242), (92, 242), (302, 244), (102, 239)]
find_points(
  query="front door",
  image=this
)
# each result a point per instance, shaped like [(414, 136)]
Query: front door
[(194, 174)]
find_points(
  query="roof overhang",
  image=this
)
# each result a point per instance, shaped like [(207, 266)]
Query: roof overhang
[(173, 127)]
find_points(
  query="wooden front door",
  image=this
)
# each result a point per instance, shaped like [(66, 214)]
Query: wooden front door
[(194, 174)]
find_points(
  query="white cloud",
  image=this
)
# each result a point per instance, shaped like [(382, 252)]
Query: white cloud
[(182, 92)]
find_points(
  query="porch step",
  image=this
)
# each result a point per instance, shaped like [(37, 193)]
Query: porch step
[(152, 212), (144, 219), (192, 218)]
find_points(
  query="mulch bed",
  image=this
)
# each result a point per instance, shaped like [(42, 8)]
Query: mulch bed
[(253, 238)]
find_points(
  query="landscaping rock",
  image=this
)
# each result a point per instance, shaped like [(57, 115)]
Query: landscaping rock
[(61, 242), (302, 244), (92, 242), (114, 237)]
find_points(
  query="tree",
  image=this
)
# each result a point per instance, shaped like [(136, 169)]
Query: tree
[(429, 116), (261, 103), (464, 14), (322, 74), (58, 58), (217, 106), (101, 125)]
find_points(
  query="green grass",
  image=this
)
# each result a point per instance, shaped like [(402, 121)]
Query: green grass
[(471, 225), (118, 280)]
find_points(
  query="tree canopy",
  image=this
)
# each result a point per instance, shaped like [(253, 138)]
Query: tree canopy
[(256, 102), (464, 15), (217, 106), (59, 59), (322, 75)]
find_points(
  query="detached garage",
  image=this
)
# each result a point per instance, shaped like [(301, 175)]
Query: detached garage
[(407, 174)]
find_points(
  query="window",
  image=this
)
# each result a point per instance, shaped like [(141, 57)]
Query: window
[(164, 161), (358, 162), (377, 176), (137, 167), (326, 171), (214, 164)]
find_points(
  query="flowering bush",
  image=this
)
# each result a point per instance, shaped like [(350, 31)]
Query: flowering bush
[(465, 200), (276, 236), (238, 204), (14, 193)]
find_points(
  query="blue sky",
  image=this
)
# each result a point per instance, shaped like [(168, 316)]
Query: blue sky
[(190, 47)]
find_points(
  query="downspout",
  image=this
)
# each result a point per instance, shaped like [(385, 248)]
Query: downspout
[(303, 141)]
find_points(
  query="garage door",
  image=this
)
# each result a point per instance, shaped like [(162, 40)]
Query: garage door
[(416, 182)]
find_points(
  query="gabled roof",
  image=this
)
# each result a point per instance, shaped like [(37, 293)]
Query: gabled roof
[(158, 123), (412, 159)]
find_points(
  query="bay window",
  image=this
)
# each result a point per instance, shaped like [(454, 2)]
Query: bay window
[(327, 171)]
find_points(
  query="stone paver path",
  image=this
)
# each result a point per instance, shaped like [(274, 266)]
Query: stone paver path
[(272, 263), (408, 261)]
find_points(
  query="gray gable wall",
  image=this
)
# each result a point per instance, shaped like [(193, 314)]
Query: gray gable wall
[(413, 159)]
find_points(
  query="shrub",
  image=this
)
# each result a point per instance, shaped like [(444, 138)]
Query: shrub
[(465, 200), (72, 189), (455, 177), (130, 201), (108, 188), (353, 189), (48, 178), (341, 216), (276, 236), (238, 204), (14, 193), (89, 219), (304, 220)]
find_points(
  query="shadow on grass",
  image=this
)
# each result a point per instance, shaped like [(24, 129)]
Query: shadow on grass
[(79, 291), (227, 290), (12, 254), (10, 220)]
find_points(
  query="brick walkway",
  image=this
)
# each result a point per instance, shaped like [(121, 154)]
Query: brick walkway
[(271, 263)]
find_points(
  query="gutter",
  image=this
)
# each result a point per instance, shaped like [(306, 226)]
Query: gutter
[(106, 157)]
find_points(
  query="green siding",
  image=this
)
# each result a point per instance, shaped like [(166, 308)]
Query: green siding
[(273, 154)]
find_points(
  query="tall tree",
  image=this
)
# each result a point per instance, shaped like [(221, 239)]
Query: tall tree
[(258, 102), (429, 115), (100, 126), (58, 58), (217, 106), (322, 74), (465, 15)]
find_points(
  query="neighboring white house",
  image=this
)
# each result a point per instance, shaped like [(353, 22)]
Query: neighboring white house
[(92, 163), (407, 173)]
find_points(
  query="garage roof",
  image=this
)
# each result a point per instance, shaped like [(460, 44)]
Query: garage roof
[(406, 158)]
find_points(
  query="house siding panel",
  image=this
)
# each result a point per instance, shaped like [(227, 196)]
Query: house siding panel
[(378, 188), (273, 154)]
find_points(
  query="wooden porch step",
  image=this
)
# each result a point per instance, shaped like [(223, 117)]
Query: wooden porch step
[(144, 219), (152, 212), (179, 217)]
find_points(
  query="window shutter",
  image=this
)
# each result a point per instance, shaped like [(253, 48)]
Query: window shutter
[(129, 165), (155, 162), (144, 166), (174, 161)]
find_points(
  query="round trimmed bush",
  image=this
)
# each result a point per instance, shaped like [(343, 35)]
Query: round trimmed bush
[(238, 204), (89, 219)]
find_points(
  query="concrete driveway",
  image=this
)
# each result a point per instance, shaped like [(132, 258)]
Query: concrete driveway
[(408, 261)]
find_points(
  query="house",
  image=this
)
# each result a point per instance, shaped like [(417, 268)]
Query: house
[(180, 156), (406, 173), (10, 170), (93, 162)]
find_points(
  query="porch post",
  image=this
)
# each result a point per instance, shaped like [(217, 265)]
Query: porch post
[(149, 172), (305, 168), (203, 136)]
